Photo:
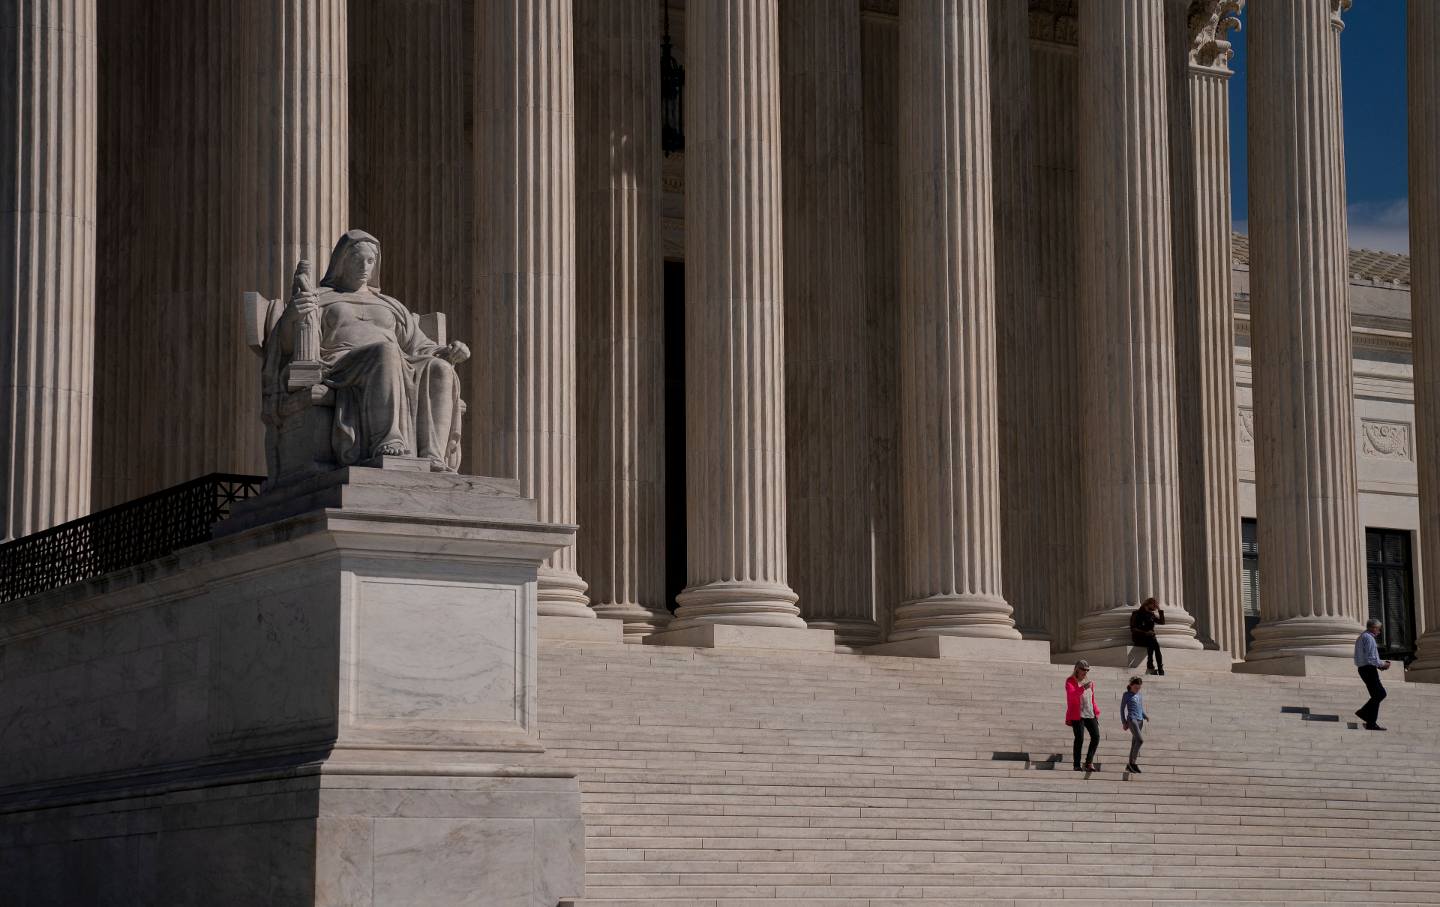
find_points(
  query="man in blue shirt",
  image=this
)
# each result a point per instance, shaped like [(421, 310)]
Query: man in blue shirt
[(1368, 663)]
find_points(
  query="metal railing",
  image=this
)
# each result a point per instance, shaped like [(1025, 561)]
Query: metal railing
[(121, 536)]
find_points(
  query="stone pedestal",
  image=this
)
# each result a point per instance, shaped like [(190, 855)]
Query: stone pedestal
[(332, 703)]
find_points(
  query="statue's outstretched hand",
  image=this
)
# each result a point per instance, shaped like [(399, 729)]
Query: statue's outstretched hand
[(453, 352)]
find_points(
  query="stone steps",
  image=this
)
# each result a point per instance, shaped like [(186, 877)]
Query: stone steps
[(722, 778)]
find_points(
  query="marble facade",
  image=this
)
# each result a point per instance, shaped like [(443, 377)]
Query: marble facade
[(945, 362)]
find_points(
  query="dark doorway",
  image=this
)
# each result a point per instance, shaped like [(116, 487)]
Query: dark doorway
[(1390, 591), (1250, 578), (674, 431)]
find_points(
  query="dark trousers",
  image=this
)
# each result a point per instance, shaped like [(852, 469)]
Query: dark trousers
[(1080, 726), (1370, 711), (1153, 659)]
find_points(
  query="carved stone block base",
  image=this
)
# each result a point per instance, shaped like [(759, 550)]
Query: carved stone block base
[(735, 636), (331, 703), (966, 648), (1315, 666), (1132, 658), (320, 840), (581, 629)]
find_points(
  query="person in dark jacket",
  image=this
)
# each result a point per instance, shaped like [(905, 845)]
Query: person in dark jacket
[(1142, 633)]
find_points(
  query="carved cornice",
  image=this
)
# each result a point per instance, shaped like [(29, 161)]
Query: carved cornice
[(1056, 21), (1210, 23)]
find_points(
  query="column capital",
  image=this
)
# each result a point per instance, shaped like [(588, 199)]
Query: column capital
[(1210, 23), (1337, 9)]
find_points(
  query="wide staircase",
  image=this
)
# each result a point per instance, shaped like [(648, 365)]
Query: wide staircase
[(769, 778)]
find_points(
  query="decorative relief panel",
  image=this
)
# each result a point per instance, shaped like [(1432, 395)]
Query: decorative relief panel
[(1245, 427), (1054, 20), (1385, 440)]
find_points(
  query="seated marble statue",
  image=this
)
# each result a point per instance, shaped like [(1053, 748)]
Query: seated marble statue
[(393, 389)]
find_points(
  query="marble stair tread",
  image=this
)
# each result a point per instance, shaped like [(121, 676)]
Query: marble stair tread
[(732, 779)]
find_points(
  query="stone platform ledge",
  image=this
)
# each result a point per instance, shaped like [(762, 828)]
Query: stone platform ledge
[(1420, 675), (737, 636), (1132, 658), (1322, 666), (581, 629), (966, 648)]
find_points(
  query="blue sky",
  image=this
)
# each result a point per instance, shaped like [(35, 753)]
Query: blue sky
[(1372, 51)]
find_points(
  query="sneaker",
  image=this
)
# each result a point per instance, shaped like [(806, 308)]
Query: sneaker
[(1077, 767), (1091, 767), (1372, 726), (1160, 671)]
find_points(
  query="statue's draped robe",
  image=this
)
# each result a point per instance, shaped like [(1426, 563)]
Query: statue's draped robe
[(384, 393)]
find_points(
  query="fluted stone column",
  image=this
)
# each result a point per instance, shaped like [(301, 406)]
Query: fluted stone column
[(734, 338), (880, 66), (826, 374), (1309, 531), (1129, 455), (411, 180), (949, 469), (1198, 78), (1051, 414), (47, 260), (296, 97), (525, 328), (1026, 473), (222, 167), (1423, 37), (619, 302)]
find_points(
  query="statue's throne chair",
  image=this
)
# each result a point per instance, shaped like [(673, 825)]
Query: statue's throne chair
[(298, 434)]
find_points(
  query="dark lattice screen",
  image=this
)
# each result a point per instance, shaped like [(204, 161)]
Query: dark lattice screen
[(121, 536), (1390, 591)]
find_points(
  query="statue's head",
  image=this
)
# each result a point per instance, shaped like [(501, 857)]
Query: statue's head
[(353, 262)]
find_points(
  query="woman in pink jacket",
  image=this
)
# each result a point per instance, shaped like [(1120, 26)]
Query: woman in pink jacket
[(1081, 712)]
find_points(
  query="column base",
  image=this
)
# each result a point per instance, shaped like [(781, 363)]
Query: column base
[(580, 629), (636, 620), (1132, 658), (973, 616), (750, 604), (737, 636), (966, 648), (855, 634), (1322, 666), (1426, 666), (1110, 629), (561, 593), (1309, 637)]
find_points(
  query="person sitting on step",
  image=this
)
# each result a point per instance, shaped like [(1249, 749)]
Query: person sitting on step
[(1142, 633)]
